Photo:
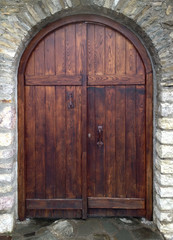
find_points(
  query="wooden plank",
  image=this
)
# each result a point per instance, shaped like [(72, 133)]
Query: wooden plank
[(120, 58), (110, 167), (30, 70), (131, 66), (80, 47), (149, 146), (99, 40), (60, 133), (49, 48), (120, 141), (90, 49), (70, 143), (100, 121), (140, 141), (65, 204), (50, 142), (116, 80), (91, 167), (78, 123), (130, 142), (116, 203), (140, 66), (39, 59), (30, 141), (84, 123), (109, 51), (40, 141), (53, 80), (21, 143), (60, 51), (70, 49)]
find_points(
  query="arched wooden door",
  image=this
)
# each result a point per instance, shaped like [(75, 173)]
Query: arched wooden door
[(85, 122)]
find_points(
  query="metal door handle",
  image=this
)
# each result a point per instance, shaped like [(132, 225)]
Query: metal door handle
[(100, 136), (70, 100)]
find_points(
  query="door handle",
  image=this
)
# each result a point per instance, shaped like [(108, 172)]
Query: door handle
[(70, 100), (100, 136)]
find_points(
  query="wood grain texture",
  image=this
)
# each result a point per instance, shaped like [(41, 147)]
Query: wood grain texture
[(111, 64), (122, 203)]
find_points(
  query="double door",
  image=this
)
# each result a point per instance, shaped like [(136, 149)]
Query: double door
[(85, 125)]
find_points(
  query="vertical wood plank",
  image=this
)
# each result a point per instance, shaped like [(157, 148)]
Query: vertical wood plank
[(99, 46), (50, 142), (78, 112), (110, 168), (140, 141), (90, 49), (91, 143), (140, 66), (30, 141), (40, 141), (149, 145), (60, 51), (120, 141), (100, 121), (79, 48), (71, 144), (130, 142), (120, 58), (30, 70), (109, 51), (60, 131), (84, 123), (70, 49), (50, 54), (131, 66), (39, 59)]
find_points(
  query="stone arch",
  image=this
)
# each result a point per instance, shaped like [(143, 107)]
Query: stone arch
[(20, 23)]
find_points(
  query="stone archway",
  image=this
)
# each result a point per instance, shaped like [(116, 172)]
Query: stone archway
[(151, 21)]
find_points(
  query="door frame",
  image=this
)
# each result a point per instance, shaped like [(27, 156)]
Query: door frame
[(149, 107)]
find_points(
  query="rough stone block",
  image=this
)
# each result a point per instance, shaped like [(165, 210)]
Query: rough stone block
[(7, 153), (6, 139), (165, 123), (164, 166), (164, 179), (6, 203), (165, 228), (166, 109), (164, 151), (164, 191), (6, 91), (164, 203), (6, 177), (6, 188), (165, 137), (6, 223), (166, 96), (7, 117), (163, 216)]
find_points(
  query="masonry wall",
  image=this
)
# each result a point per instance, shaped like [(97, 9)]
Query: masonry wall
[(152, 22)]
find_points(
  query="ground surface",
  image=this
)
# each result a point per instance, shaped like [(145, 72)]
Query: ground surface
[(90, 229)]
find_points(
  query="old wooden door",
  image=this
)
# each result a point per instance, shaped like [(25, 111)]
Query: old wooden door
[(87, 117)]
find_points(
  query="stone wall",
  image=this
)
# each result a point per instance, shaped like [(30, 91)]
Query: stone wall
[(152, 22)]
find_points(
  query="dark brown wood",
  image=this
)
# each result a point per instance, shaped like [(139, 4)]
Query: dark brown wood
[(54, 204), (149, 145), (30, 141), (63, 62), (120, 129), (116, 80), (122, 203), (53, 80), (130, 147)]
